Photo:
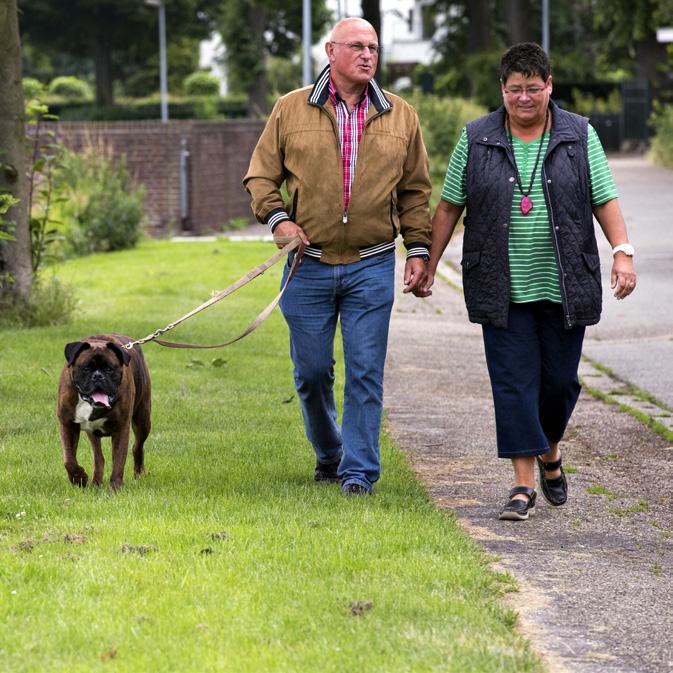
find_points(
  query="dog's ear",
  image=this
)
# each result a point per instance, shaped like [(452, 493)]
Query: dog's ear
[(122, 353), (72, 351)]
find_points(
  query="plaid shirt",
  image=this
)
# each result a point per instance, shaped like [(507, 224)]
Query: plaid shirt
[(350, 132)]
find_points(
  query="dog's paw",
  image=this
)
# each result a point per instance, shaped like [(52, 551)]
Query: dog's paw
[(77, 476), (116, 484), (138, 470)]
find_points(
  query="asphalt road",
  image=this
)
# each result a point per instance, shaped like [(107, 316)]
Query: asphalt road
[(635, 336)]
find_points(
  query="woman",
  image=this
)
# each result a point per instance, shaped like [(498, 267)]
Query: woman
[(532, 176)]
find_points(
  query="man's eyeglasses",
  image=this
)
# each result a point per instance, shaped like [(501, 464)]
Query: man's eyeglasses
[(358, 47), (517, 91)]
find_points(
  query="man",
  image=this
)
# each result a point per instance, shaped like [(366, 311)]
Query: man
[(353, 160), (532, 177)]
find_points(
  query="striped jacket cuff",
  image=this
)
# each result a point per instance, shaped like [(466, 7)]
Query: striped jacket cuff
[(275, 217), (418, 250)]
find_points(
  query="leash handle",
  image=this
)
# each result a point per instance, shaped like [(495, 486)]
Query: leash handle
[(294, 244)]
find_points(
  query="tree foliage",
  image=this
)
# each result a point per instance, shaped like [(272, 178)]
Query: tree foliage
[(591, 40), (253, 30), (113, 33)]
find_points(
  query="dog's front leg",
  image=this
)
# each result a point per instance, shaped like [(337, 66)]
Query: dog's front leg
[(120, 447), (69, 440), (98, 459)]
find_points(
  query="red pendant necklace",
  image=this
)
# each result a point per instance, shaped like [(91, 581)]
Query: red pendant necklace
[(526, 203)]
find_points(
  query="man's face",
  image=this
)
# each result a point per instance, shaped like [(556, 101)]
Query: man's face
[(526, 98), (349, 62)]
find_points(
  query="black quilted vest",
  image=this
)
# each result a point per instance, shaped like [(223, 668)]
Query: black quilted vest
[(490, 188)]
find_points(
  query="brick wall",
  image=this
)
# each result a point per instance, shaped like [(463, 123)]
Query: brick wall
[(219, 153)]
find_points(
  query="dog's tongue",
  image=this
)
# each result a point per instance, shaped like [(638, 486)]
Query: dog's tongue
[(101, 398)]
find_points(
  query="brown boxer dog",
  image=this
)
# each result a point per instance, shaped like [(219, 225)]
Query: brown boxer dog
[(104, 390)]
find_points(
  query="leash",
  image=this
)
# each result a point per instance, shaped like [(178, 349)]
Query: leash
[(294, 244)]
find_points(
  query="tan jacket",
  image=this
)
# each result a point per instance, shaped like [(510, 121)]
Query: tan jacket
[(390, 192)]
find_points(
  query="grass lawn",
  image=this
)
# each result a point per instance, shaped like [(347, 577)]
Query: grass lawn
[(224, 556)]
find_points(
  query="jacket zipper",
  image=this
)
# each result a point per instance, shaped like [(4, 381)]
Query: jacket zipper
[(344, 217), (557, 250)]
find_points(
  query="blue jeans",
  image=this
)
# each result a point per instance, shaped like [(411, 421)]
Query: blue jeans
[(360, 295), (532, 364)]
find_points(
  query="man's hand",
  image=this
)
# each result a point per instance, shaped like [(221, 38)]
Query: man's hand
[(415, 272), (623, 276), (286, 231)]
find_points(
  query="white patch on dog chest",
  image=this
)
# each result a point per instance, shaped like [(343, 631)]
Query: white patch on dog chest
[(83, 412)]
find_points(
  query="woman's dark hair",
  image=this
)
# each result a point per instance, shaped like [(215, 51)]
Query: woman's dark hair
[(526, 58)]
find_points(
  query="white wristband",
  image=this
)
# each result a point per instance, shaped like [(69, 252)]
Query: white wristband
[(626, 248)]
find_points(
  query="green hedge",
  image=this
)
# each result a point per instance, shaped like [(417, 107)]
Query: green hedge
[(147, 109), (662, 141), (71, 88), (201, 84)]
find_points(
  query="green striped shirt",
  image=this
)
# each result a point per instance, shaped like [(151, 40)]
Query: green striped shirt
[(532, 263)]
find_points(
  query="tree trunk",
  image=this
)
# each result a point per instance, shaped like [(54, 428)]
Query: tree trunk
[(14, 255), (517, 14), (259, 106), (371, 11), (103, 68), (479, 26)]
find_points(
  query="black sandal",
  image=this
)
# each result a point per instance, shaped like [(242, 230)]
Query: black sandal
[(516, 509), (555, 491)]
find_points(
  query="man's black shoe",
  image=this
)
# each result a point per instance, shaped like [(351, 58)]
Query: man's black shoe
[(354, 489), (326, 473)]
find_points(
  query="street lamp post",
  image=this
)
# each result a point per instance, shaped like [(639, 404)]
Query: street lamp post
[(307, 74), (163, 68), (545, 25)]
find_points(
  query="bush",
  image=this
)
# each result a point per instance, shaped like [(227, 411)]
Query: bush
[(232, 107), (588, 105), (33, 89), (662, 142), (70, 88), (99, 209), (201, 84), (442, 120), (51, 302)]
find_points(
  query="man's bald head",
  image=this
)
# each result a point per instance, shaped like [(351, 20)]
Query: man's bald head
[(345, 27), (353, 53)]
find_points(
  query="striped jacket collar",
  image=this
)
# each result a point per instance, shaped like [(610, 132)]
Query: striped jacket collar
[(320, 92)]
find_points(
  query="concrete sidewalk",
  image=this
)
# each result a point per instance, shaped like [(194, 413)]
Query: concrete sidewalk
[(595, 575)]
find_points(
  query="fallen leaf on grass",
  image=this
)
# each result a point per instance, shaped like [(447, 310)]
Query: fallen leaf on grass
[(194, 363), (219, 535), (110, 654), (218, 362), (288, 400), (206, 550), (360, 607)]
